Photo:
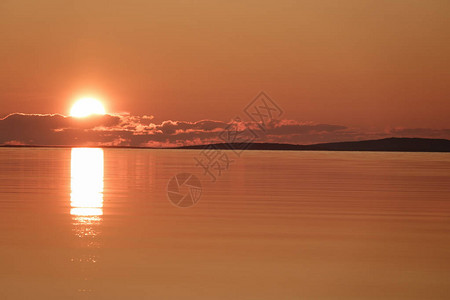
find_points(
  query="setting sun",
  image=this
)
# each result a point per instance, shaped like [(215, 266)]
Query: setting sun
[(86, 107)]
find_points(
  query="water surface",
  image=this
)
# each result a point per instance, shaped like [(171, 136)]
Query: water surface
[(97, 224)]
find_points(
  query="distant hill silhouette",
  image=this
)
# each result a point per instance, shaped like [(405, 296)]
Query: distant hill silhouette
[(388, 144)]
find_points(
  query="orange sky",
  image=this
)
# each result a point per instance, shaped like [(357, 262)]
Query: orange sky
[(372, 64)]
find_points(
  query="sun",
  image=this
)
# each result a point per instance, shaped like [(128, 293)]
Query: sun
[(87, 106)]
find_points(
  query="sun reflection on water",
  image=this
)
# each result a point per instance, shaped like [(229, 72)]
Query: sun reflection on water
[(86, 209), (86, 198)]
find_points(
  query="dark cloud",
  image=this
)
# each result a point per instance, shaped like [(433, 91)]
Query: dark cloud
[(126, 130), (287, 127), (172, 127), (420, 132), (52, 129)]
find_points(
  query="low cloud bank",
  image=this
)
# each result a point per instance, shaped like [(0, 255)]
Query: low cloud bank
[(127, 130)]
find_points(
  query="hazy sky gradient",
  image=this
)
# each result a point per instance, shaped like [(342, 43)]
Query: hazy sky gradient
[(372, 64)]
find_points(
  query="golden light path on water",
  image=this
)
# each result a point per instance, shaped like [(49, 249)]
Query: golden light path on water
[(86, 208), (86, 198)]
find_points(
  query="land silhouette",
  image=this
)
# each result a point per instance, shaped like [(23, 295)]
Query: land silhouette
[(393, 144), (387, 144)]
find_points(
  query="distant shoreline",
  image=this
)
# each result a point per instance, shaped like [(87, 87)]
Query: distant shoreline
[(382, 145)]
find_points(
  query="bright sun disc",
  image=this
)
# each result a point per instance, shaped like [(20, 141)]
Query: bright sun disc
[(86, 107)]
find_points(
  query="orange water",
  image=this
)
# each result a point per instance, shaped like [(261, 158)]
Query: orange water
[(276, 225)]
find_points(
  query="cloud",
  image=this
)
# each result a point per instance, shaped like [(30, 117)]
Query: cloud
[(51, 129), (420, 132), (127, 130)]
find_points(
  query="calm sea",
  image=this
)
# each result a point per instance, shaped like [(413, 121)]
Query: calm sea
[(98, 224)]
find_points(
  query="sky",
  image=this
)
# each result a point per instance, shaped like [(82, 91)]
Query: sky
[(340, 70)]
